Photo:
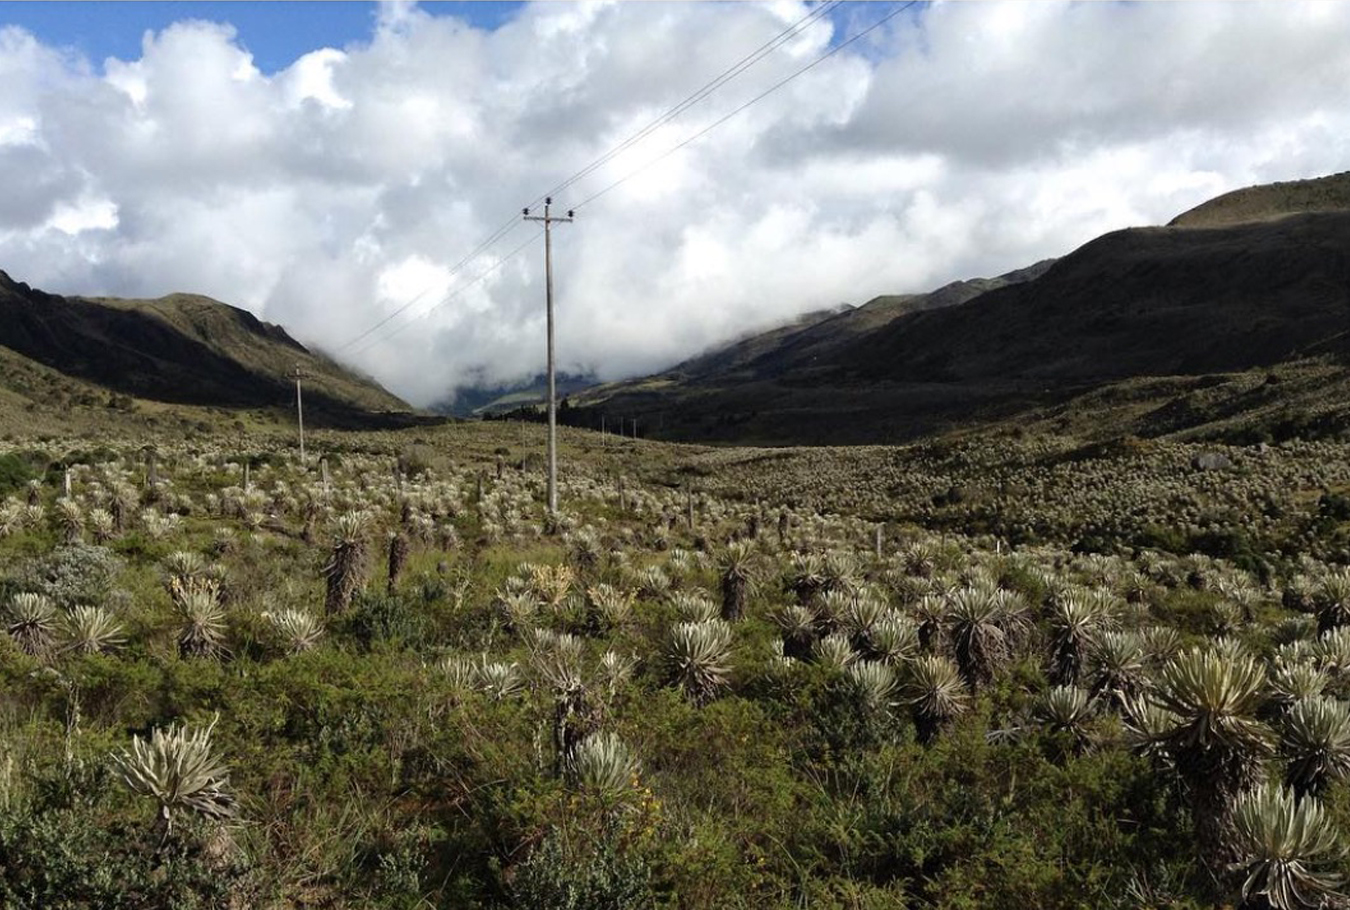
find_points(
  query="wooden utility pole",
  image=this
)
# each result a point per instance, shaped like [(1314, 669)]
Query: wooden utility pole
[(299, 412), (548, 221)]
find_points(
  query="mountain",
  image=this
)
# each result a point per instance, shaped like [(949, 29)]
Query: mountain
[(1247, 283), (479, 401), (808, 345), (1140, 302), (1270, 200), (185, 349), (783, 385)]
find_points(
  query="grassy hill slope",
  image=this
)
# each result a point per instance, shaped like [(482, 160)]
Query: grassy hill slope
[(1141, 302), (1173, 330), (787, 385), (184, 349), (1273, 200)]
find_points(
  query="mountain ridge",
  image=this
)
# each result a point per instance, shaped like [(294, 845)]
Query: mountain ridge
[(792, 353), (186, 349), (1229, 320), (1268, 201), (1249, 281)]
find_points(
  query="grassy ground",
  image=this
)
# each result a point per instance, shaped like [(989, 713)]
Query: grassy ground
[(624, 708)]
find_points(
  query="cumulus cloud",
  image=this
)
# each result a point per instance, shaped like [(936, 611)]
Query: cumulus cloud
[(962, 139)]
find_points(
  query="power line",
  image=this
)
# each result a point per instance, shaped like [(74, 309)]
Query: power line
[(700, 94), (760, 97), (726, 76), (498, 234), (483, 276), (708, 88)]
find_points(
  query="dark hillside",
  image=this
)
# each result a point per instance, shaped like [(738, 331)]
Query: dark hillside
[(1273, 200), (184, 349), (1197, 304), (1141, 302), (804, 347), (791, 384)]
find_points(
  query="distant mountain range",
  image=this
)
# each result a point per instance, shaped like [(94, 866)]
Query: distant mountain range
[(183, 349), (482, 401), (1231, 322), (1252, 280)]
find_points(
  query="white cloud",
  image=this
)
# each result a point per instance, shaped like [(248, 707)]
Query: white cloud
[(312, 77), (18, 131), (86, 215), (966, 139)]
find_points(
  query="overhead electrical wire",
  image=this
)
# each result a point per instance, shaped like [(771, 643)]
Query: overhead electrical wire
[(726, 76), (483, 276), (760, 97), (498, 234), (700, 94), (675, 111)]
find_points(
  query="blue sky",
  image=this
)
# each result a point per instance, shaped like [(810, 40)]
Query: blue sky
[(276, 33)]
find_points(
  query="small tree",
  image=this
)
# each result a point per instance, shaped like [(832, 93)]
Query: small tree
[(935, 693), (202, 633), (1315, 740), (737, 571), (700, 657), (978, 638), (1216, 741), (31, 622), (1075, 620), (346, 567)]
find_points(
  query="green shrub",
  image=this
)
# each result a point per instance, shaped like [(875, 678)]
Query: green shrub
[(63, 851), (415, 461), (390, 619), (78, 574), (17, 468), (563, 875)]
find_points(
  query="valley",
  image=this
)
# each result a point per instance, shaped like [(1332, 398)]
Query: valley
[(1079, 637)]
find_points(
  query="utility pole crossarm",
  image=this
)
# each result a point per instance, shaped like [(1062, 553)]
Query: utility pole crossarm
[(548, 220)]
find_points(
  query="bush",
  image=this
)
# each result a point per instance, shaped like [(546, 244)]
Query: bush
[(590, 877), (415, 461), (387, 618), (1335, 506), (74, 575), (17, 468), (61, 852), (266, 459)]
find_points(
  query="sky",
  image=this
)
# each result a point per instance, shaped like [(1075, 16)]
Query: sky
[(337, 168)]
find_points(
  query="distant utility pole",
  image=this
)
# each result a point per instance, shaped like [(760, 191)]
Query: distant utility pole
[(299, 412), (548, 221)]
